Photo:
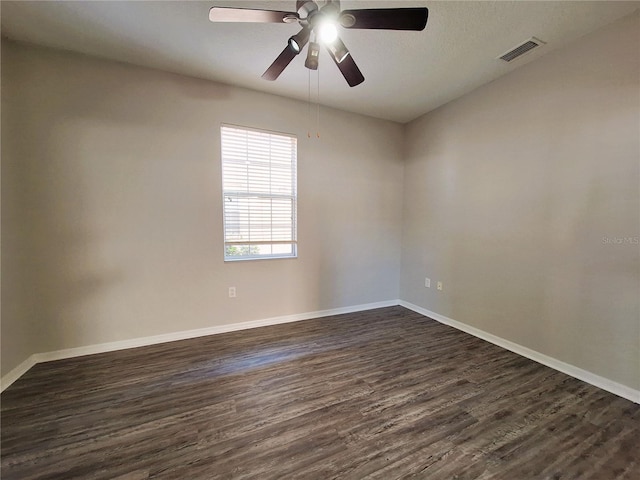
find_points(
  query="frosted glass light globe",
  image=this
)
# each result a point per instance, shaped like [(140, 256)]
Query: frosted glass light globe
[(328, 32)]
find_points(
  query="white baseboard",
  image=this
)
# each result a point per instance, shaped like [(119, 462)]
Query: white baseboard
[(17, 372), (21, 369), (584, 375)]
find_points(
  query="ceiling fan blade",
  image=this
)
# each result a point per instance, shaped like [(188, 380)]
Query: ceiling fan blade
[(345, 63), (230, 14), (279, 64), (288, 54), (385, 18)]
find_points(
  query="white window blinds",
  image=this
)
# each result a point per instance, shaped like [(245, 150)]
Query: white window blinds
[(259, 193)]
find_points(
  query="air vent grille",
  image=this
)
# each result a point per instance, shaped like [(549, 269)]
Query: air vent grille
[(521, 49)]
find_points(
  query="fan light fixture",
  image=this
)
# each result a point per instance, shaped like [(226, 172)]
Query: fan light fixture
[(328, 32), (298, 41), (312, 56), (294, 45)]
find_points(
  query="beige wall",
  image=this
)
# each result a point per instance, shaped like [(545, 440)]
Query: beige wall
[(111, 197), (509, 193)]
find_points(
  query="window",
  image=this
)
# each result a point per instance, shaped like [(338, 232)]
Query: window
[(259, 193)]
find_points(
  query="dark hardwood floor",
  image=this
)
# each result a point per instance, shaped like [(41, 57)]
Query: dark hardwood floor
[(382, 394)]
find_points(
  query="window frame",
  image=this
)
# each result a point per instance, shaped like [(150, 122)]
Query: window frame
[(294, 201)]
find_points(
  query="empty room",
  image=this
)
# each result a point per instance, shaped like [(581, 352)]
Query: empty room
[(357, 239)]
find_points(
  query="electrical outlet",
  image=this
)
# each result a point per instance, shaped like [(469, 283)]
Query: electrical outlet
[(439, 285), (232, 292), (427, 282)]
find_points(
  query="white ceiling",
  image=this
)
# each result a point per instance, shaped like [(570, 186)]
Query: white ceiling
[(407, 73)]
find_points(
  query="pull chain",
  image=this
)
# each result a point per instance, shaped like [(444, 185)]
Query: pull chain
[(318, 107), (309, 106)]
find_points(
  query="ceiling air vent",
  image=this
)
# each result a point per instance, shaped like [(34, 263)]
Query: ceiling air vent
[(521, 49)]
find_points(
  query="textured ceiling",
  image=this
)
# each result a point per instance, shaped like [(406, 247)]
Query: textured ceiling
[(407, 73)]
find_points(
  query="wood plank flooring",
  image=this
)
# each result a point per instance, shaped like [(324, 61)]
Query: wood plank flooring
[(383, 394)]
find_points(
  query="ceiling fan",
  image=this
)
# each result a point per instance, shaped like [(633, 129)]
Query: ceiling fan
[(323, 24)]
